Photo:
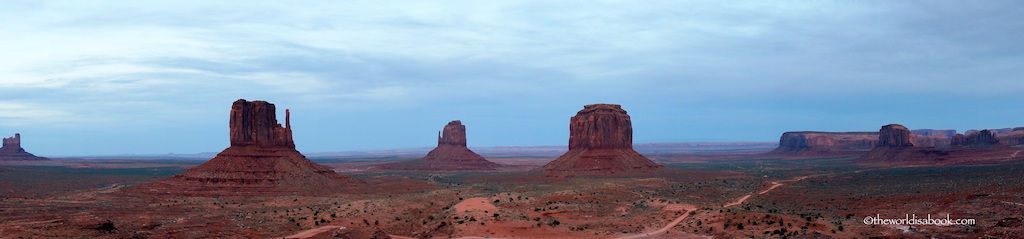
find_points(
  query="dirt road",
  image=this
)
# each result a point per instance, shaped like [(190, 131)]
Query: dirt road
[(686, 213), (311, 232)]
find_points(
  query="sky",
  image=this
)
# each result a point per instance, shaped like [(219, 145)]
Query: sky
[(154, 77)]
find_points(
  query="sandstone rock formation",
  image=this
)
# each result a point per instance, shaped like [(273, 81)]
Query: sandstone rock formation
[(984, 138), (980, 139), (825, 143), (600, 143), (806, 144), (894, 135), (12, 150), (261, 160), (451, 154), (896, 146), (958, 140), (1013, 138), (938, 141)]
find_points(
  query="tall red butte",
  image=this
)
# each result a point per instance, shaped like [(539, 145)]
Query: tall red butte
[(600, 143), (451, 154), (12, 150), (261, 160)]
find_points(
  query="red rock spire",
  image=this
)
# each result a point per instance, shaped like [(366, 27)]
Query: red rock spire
[(254, 123)]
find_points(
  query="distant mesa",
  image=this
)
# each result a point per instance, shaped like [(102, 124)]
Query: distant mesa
[(12, 150), (261, 160), (451, 154), (894, 135), (600, 143), (825, 144), (897, 144), (980, 139)]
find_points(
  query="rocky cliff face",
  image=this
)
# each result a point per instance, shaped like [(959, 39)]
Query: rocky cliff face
[(898, 146), (982, 139), (1013, 138), (816, 142), (958, 140), (12, 150), (894, 135), (453, 134), (601, 126), (254, 123), (451, 154), (261, 160), (600, 143)]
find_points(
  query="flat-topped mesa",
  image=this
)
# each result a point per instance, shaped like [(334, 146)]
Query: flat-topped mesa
[(12, 150), (894, 135), (601, 126), (453, 134), (254, 123), (1013, 138), (600, 143), (817, 142)]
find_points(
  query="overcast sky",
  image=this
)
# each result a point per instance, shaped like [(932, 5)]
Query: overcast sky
[(102, 77)]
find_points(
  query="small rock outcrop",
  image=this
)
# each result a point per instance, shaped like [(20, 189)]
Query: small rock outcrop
[(451, 154), (894, 135), (12, 150), (600, 143), (261, 160)]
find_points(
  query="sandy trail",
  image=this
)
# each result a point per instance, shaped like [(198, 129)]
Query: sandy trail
[(775, 184), (687, 209), (311, 232), (737, 202)]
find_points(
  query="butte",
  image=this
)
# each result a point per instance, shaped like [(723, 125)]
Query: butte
[(451, 154), (12, 150), (261, 160), (600, 143)]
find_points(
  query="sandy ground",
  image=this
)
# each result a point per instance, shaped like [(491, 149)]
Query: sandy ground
[(688, 209), (479, 204)]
